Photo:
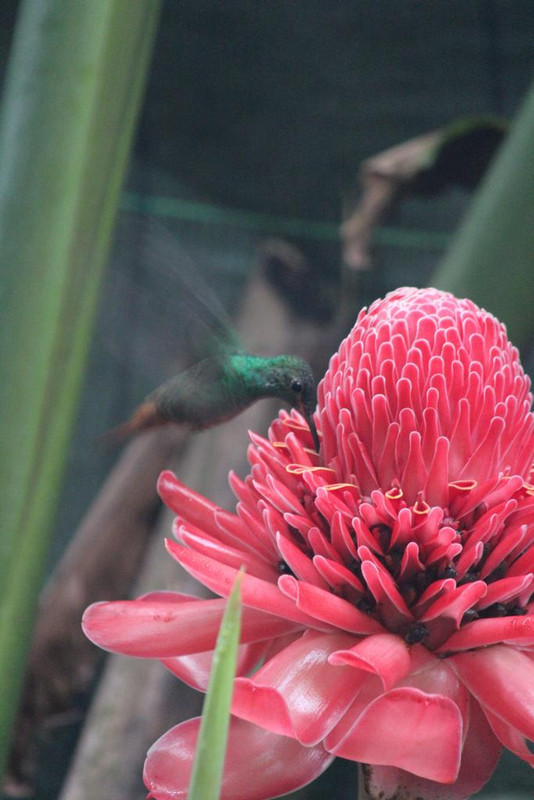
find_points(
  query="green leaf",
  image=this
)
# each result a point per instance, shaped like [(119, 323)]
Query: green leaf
[(211, 745), (490, 259), (71, 98)]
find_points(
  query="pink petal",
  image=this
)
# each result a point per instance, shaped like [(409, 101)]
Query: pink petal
[(338, 576), (259, 765), (188, 504), (300, 564), (453, 605), (393, 608), (298, 693), (255, 592), (506, 589), (511, 738), (502, 680), (383, 654), (327, 607), (407, 728), (497, 630), (278, 495), (435, 676), (157, 628), (208, 517), (257, 535), (231, 556), (480, 755), (195, 669), (502, 550), (436, 589)]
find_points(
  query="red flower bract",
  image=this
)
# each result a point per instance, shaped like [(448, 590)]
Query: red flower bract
[(387, 595)]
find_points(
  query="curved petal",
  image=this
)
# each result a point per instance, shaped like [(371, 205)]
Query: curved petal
[(300, 564), (224, 554), (393, 607), (480, 755), (511, 738), (337, 575), (502, 680), (407, 728), (383, 654), (195, 669), (166, 625), (255, 592), (496, 630), (298, 693), (187, 503), (327, 607), (208, 517), (506, 589), (455, 603), (259, 765), (436, 676)]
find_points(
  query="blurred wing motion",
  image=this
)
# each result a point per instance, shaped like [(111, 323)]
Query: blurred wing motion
[(223, 380), (184, 298)]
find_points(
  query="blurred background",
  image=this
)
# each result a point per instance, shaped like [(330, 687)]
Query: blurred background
[(259, 115), (256, 120)]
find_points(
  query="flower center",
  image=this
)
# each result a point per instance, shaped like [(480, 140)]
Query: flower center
[(422, 571)]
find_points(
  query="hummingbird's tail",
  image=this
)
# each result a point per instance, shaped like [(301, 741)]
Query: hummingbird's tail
[(144, 417)]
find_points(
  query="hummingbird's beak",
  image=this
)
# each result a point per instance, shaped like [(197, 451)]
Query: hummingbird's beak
[(307, 414)]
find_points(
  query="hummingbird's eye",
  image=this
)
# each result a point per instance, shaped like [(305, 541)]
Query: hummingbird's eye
[(296, 386)]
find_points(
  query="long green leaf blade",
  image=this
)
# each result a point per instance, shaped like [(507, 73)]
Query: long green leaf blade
[(490, 260), (72, 94), (211, 745)]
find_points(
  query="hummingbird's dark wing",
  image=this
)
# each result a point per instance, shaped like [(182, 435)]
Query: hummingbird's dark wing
[(200, 396)]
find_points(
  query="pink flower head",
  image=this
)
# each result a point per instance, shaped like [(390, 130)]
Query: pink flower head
[(388, 587)]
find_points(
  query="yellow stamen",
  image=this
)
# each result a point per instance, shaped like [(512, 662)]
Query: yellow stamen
[(298, 469), (421, 507), (333, 487), (463, 486)]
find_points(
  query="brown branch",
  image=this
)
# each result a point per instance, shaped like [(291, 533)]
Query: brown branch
[(101, 562), (383, 179), (457, 154), (124, 721)]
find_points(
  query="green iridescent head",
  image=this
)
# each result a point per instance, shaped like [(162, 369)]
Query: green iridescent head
[(291, 379)]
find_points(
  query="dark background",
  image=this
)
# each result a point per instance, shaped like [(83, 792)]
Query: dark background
[(268, 108)]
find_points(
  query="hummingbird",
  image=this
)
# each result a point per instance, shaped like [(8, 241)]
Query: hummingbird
[(226, 379)]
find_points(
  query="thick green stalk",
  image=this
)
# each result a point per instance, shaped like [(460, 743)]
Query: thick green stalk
[(73, 90), (491, 258)]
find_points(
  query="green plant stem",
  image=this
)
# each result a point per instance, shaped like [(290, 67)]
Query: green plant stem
[(73, 89), (490, 260)]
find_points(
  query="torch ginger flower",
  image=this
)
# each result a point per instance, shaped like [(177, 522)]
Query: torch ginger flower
[(389, 579)]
